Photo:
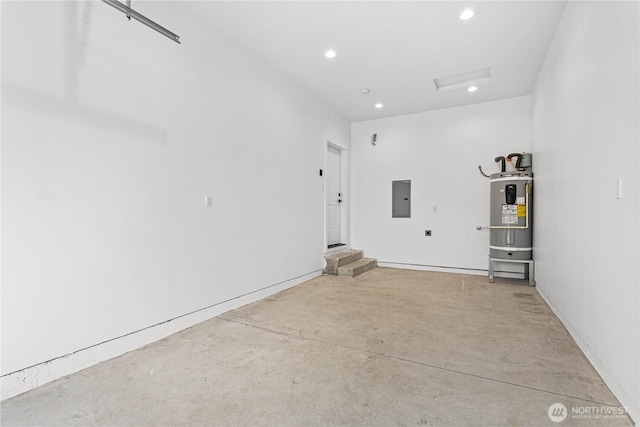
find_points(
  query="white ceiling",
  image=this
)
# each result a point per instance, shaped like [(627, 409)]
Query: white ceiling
[(393, 48)]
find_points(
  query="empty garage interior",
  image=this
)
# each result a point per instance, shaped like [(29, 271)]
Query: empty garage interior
[(149, 186)]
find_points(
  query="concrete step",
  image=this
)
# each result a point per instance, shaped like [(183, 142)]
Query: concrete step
[(356, 268), (335, 261)]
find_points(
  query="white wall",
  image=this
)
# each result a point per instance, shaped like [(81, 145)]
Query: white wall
[(439, 151), (585, 110), (111, 137)]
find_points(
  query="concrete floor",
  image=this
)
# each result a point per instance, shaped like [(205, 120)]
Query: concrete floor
[(390, 347)]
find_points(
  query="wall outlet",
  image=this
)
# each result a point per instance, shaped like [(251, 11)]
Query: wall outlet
[(208, 201), (427, 233)]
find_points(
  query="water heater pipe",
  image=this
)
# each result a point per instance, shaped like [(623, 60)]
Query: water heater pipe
[(518, 161), (130, 13)]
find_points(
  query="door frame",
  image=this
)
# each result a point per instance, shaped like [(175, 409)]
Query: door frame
[(345, 236)]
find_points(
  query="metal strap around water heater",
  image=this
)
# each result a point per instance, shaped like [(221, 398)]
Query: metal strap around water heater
[(509, 248), (512, 178)]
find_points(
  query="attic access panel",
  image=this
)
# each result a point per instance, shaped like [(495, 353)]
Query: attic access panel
[(401, 199)]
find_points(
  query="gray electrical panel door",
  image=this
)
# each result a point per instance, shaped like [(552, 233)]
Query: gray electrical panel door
[(401, 203)]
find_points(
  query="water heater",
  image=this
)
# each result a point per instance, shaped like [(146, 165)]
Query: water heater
[(511, 224)]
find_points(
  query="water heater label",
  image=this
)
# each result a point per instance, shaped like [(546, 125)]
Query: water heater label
[(509, 214), (522, 211)]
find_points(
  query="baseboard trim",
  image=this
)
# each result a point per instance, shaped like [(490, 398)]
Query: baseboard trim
[(444, 269), (19, 382)]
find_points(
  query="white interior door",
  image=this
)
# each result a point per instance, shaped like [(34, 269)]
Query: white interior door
[(333, 196)]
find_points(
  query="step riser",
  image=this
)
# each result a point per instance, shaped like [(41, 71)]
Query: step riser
[(356, 271)]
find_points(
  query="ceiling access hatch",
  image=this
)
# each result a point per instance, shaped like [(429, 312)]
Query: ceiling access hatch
[(463, 80)]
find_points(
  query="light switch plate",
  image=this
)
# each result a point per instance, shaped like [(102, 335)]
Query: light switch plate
[(619, 189)]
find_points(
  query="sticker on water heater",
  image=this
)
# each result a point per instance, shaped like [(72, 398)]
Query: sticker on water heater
[(520, 200), (522, 211), (509, 214)]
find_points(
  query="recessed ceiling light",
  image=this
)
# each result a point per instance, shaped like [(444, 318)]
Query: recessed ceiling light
[(473, 88), (379, 105), (330, 53), (364, 91), (467, 14)]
